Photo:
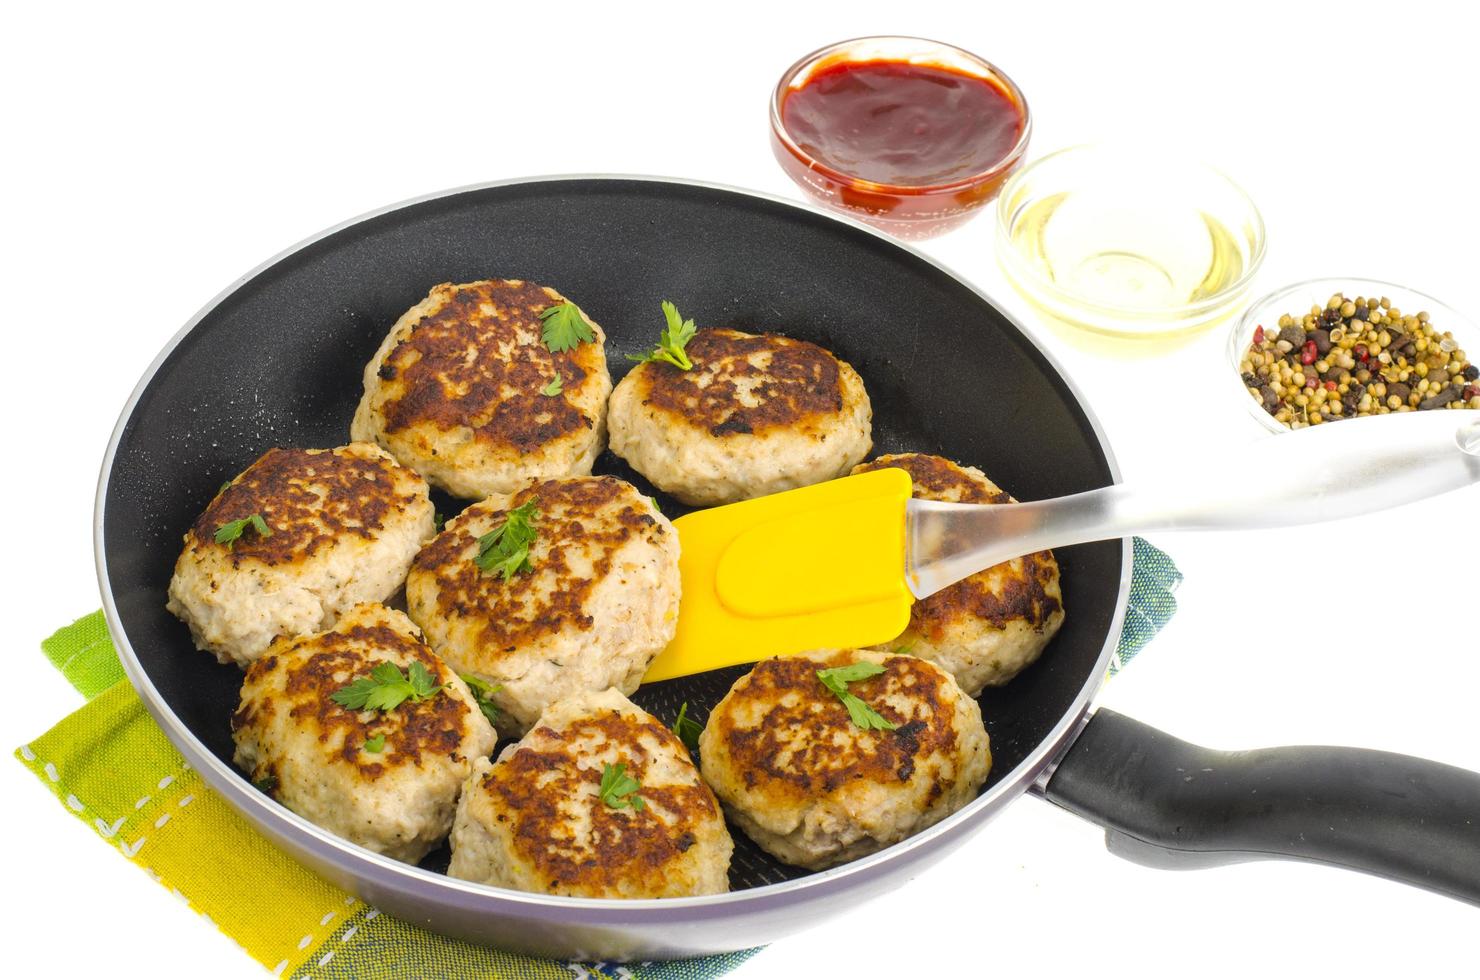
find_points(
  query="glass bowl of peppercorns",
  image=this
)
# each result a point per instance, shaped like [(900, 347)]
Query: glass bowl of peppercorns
[(1330, 350)]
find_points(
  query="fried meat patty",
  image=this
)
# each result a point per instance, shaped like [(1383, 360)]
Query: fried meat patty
[(458, 391), (805, 782), (395, 796), (343, 525), (599, 601), (986, 628), (756, 415), (536, 820)]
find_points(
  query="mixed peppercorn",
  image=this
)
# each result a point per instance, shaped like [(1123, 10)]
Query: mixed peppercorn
[(1356, 357)]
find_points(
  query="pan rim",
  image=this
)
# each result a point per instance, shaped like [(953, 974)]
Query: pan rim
[(270, 815)]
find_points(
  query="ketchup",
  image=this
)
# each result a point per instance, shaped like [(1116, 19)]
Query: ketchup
[(903, 124)]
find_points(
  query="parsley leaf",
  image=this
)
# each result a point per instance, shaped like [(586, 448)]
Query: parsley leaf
[(224, 487), (385, 687), (564, 328), (505, 549), (619, 789), (439, 521), (837, 679), (228, 533), (687, 729), (481, 691), (672, 341), (866, 717), (375, 743), (422, 681), (554, 388)]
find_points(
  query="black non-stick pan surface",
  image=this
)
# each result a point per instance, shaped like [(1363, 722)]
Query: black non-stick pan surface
[(277, 361)]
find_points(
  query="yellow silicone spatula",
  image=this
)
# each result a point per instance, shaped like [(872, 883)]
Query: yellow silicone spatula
[(839, 564), (820, 566)]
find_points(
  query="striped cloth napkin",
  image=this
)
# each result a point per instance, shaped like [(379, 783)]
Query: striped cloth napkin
[(113, 768)]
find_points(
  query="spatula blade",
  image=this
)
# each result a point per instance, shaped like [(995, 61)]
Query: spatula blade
[(822, 566)]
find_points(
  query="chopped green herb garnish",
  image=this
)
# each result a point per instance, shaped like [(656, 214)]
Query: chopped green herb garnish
[(267, 784), (385, 687), (564, 328), (482, 691), (439, 521), (837, 679), (687, 729), (505, 549), (228, 533), (655, 504), (863, 670), (554, 388), (375, 743), (905, 648), (619, 789), (224, 487), (672, 341)]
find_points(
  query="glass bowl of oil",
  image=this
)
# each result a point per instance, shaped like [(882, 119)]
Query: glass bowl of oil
[(1125, 242)]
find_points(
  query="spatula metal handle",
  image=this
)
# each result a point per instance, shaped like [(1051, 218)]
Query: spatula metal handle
[(1323, 473)]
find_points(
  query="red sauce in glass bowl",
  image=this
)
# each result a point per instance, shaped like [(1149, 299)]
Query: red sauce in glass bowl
[(893, 122), (910, 135)]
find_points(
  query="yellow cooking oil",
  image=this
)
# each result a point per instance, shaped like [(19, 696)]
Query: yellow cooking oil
[(1161, 258)]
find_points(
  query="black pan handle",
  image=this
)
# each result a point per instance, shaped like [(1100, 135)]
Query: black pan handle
[(1170, 804)]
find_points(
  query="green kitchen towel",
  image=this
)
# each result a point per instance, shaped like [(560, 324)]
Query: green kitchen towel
[(112, 767), (1152, 601)]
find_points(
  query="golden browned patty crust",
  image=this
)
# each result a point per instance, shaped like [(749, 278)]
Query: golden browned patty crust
[(460, 388), (311, 753), (598, 603), (744, 384), (805, 782), (342, 526), (308, 498), (986, 628), (757, 414), (535, 820)]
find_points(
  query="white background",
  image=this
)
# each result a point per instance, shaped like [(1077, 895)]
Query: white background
[(152, 156)]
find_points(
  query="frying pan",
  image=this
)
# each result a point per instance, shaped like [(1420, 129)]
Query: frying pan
[(276, 360)]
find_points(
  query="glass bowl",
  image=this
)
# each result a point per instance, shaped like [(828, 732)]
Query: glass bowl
[(910, 211), (1299, 298), (1128, 241)]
